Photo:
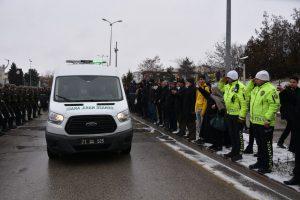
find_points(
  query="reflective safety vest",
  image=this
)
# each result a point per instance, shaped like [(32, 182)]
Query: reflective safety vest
[(234, 98), (264, 103)]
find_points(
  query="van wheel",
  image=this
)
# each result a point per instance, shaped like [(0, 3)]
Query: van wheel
[(126, 151), (52, 155)]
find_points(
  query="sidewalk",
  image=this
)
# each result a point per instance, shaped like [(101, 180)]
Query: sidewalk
[(282, 158)]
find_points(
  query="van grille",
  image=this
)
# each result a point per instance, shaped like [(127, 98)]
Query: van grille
[(92, 124)]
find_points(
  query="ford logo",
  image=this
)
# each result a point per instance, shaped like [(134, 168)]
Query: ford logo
[(91, 124)]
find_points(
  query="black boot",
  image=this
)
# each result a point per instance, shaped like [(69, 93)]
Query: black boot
[(264, 170), (254, 166), (293, 181), (228, 155), (236, 158)]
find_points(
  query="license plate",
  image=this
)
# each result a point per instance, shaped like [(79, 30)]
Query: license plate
[(92, 141)]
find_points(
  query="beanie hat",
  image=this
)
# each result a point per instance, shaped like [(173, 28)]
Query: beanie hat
[(263, 75), (233, 75)]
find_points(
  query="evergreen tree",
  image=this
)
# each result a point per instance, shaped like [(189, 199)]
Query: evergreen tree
[(186, 67), (34, 77), (12, 74)]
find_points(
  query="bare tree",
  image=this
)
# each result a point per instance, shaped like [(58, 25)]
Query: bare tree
[(151, 64), (216, 58)]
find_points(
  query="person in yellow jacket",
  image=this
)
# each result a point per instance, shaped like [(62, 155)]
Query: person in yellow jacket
[(200, 106), (236, 109), (264, 104)]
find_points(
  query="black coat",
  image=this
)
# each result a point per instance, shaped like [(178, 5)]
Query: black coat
[(179, 101), (189, 99), (288, 100), (163, 96)]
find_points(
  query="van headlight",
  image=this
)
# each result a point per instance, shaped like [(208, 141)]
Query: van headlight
[(55, 118), (123, 116)]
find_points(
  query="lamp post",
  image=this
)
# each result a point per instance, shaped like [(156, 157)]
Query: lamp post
[(110, 43), (116, 51), (244, 67), (228, 36), (30, 61)]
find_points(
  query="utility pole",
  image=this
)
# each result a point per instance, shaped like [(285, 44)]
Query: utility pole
[(228, 36), (30, 61), (116, 51)]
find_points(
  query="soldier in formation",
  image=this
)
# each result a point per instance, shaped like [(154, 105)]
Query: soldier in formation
[(19, 104)]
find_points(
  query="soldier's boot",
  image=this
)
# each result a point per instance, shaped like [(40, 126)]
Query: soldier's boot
[(18, 121), (1, 130), (12, 123), (5, 126), (34, 113), (29, 116)]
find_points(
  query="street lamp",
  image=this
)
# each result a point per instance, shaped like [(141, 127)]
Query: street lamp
[(228, 36), (244, 67), (110, 24), (30, 61)]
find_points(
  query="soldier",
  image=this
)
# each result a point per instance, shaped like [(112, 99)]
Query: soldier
[(28, 103), (8, 102), (3, 120), (34, 102)]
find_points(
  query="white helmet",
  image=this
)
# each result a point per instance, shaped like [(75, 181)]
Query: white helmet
[(263, 75), (233, 75)]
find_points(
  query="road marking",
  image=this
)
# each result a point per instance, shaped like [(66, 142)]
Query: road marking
[(240, 181)]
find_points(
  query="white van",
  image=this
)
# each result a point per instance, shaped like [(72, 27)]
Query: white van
[(88, 111)]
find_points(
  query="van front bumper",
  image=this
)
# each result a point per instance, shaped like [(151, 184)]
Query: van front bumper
[(73, 144)]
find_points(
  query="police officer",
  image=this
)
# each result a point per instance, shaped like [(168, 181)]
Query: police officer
[(236, 107), (264, 103)]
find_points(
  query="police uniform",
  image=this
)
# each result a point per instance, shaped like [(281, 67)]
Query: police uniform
[(236, 108), (264, 103)]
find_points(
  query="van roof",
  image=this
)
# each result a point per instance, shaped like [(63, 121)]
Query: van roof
[(86, 69)]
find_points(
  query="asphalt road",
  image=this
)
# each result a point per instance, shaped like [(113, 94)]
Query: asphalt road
[(152, 171)]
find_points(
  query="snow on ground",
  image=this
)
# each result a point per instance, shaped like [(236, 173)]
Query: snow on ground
[(283, 162)]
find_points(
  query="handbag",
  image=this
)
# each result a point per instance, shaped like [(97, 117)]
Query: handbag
[(218, 123)]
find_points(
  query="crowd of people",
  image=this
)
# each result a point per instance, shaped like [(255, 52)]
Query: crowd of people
[(19, 104), (217, 113)]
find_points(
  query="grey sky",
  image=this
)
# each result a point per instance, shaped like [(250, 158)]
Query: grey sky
[(49, 32)]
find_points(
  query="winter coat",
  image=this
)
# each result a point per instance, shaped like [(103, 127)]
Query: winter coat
[(189, 103), (201, 102), (234, 98), (264, 103), (179, 101), (288, 101)]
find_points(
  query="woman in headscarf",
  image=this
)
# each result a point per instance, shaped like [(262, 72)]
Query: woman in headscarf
[(215, 107)]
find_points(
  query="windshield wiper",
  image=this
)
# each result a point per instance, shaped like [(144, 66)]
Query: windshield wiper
[(64, 98)]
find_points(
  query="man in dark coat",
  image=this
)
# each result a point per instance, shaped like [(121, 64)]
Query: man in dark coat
[(288, 104), (163, 103), (179, 95), (189, 109), (296, 178)]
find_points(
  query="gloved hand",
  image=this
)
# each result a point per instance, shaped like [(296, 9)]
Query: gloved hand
[(267, 124)]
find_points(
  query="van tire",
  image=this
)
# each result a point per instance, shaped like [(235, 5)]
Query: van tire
[(126, 151), (52, 155)]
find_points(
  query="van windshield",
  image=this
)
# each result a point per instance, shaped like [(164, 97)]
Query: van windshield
[(87, 88)]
